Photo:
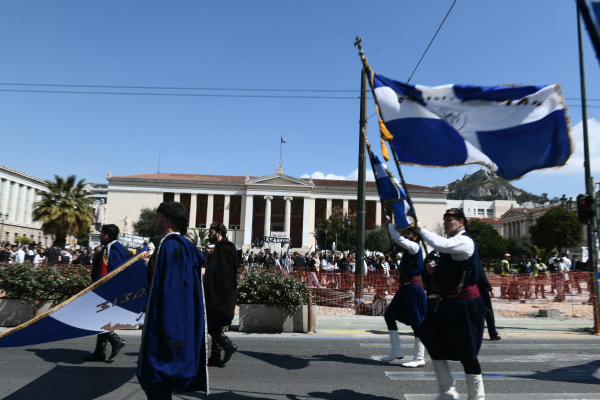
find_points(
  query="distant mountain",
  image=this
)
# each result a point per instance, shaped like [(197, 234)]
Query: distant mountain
[(484, 185)]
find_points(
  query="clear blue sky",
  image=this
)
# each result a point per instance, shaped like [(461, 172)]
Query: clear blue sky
[(262, 45)]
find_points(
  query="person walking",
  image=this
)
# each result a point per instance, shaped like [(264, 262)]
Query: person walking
[(220, 291), (455, 331), (409, 303), (173, 350), (110, 257)]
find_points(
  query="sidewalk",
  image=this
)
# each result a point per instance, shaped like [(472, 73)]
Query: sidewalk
[(369, 327)]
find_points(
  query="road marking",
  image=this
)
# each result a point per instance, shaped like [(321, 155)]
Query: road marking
[(519, 396), (536, 358), (500, 375)]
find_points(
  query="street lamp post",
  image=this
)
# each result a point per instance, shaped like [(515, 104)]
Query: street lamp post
[(348, 222), (326, 243), (566, 203)]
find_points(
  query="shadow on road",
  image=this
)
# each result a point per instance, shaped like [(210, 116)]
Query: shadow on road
[(346, 394), (67, 356), (74, 382), (570, 374), (282, 361)]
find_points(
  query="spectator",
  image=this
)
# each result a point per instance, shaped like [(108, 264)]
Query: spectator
[(5, 254), (20, 255), (32, 251), (39, 257), (53, 255), (84, 258)]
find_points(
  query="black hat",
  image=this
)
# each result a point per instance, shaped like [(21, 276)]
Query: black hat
[(456, 213)]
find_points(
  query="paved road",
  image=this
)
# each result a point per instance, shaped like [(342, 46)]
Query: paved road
[(337, 363)]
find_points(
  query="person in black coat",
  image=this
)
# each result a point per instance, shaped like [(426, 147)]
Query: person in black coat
[(220, 291)]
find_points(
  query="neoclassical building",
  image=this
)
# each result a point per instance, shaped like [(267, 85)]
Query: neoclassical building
[(254, 206)]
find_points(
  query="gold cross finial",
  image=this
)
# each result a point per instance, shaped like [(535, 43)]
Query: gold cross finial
[(361, 53)]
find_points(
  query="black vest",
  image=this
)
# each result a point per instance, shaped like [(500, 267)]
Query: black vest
[(411, 264), (450, 271)]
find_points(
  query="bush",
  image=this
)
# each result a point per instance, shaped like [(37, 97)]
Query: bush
[(58, 283), (271, 288)]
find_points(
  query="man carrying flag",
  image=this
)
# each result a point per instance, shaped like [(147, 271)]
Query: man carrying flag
[(111, 256), (173, 354)]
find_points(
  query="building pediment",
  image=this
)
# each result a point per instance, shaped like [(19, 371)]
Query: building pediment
[(278, 180)]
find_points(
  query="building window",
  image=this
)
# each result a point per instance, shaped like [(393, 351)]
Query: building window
[(481, 211), (202, 226), (490, 213)]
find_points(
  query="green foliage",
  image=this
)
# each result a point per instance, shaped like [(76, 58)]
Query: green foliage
[(198, 236), (335, 224), (378, 239), (549, 231), (269, 287), (489, 242), (144, 226), (65, 208), (519, 246), (59, 283), (24, 240)]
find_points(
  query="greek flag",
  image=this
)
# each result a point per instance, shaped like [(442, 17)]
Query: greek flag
[(590, 11), (283, 140), (113, 302), (511, 130), (392, 193)]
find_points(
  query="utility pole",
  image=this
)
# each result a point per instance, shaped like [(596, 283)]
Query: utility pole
[(589, 184)]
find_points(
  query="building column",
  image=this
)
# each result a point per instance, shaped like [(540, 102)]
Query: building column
[(30, 206), (176, 197), (306, 221), (268, 215), (344, 207), (21, 216), (4, 205), (14, 191), (193, 209), (226, 211), (328, 208), (378, 213), (248, 211), (209, 209), (288, 214)]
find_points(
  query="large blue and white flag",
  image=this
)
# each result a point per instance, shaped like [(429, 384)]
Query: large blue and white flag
[(511, 130), (590, 11), (113, 302), (392, 194)]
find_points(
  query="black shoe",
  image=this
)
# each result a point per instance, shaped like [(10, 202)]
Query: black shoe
[(229, 352), (226, 344), (99, 353), (493, 338), (116, 344), (215, 358)]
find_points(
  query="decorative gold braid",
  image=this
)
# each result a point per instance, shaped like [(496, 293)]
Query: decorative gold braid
[(78, 295)]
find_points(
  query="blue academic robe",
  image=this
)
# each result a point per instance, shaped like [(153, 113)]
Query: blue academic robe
[(173, 354), (116, 256)]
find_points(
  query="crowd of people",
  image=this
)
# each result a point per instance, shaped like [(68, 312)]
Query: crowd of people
[(38, 255)]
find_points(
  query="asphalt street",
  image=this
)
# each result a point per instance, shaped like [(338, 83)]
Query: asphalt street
[(337, 363)]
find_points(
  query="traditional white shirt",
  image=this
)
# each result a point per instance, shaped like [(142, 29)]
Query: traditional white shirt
[(461, 247), (412, 247)]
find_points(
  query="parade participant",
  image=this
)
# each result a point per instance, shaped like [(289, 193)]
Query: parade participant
[(220, 291), (409, 303), (455, 331), (173, 350), (540, 275), (111, 256)]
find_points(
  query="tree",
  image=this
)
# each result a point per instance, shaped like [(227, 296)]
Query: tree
[(378, 239), (144, 226), (198, 236), (64, 209), (519, 246), (334, 224), (549, 230), (489, 242)]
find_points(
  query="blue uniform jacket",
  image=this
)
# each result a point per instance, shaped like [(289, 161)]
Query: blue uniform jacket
[(116, 256), (173, 353)]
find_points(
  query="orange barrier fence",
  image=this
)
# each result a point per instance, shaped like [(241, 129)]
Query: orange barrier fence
[(512, 296)]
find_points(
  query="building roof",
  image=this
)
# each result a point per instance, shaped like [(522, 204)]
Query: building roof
[(486, 220), (240, 179)]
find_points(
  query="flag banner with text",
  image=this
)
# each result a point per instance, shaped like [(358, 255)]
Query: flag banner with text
[(590, 11), (512, 130), (392, 194), (113, 302)]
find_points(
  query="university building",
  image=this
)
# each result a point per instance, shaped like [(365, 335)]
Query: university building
[(254, 206)]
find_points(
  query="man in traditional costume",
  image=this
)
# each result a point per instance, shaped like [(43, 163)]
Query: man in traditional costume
[(220, 288), (455, 331), (409, 303), (111, 256), (173, 353)]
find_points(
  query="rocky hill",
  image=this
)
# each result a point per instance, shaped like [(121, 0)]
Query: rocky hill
[(484, 185)]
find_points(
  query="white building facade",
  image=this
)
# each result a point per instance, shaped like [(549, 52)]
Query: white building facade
[(253, 207), (18, 193)]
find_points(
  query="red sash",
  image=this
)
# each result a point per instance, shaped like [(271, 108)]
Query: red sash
[(468, 292), (414, 280)]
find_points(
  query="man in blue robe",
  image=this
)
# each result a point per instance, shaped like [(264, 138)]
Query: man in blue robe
[(173, 354), (110, 257)]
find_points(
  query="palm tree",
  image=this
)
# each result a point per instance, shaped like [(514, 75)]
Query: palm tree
[(198, 236), (64, 209)]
